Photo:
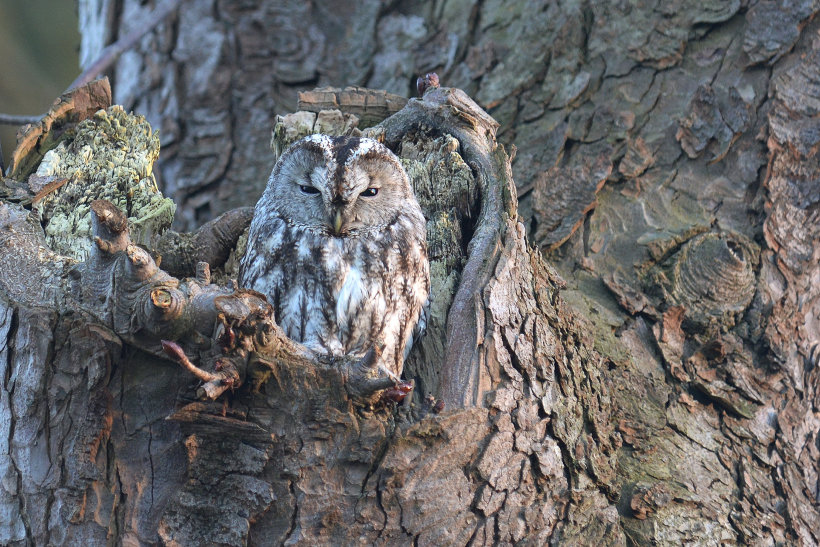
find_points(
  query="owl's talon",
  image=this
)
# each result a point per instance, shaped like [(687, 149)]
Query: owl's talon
[(389, 373), (369, 376), (359, 387), (398, 392)]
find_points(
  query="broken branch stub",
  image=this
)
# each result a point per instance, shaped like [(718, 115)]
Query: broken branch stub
[(212, 243)]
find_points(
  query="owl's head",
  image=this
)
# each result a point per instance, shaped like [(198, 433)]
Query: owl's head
[(339, 186)]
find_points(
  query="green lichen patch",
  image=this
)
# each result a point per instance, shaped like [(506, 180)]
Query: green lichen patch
[(111, 157)]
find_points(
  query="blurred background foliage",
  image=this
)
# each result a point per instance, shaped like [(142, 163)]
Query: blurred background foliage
[(39, 47)]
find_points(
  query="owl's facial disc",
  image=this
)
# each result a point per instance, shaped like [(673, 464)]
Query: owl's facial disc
[(339, 187)]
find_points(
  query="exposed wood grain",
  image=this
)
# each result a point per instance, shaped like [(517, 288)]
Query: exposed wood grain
[(34, 140), (370, 105)]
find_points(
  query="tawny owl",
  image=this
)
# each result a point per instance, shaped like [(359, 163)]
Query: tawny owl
[(338, 246)]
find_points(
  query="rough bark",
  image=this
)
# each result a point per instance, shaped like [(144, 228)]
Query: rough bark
[(667, 168)]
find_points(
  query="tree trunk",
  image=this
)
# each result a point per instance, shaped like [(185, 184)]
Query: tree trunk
[(663, 389)]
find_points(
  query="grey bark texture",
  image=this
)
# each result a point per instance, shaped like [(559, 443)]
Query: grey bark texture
[(649, 375)]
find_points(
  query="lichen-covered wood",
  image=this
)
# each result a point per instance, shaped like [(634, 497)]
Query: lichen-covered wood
[(34, 141), (110, 156)]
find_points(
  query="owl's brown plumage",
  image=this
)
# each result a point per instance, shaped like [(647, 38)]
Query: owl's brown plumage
[(337, 244)]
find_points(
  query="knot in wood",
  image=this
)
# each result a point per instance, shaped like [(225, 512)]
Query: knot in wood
[(167, 302), (713, 276)]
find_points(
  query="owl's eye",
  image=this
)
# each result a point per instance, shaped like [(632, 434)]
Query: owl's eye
[(370, 192), (310, 190)]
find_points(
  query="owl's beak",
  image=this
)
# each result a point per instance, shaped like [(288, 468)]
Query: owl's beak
[(336, 217), (337, 222)]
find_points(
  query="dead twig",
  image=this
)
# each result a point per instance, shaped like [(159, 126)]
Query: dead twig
[(13, 119), (112, 52), (176, 353)]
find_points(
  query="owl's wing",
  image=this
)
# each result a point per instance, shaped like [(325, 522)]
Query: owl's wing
[(420, 328)]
